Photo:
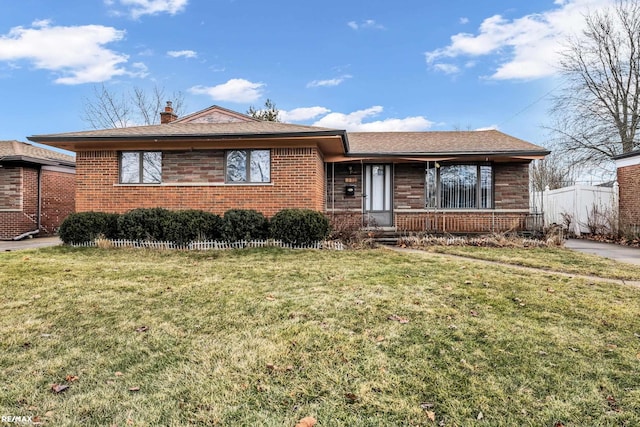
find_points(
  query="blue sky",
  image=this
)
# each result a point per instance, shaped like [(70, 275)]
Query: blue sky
[(350, 64)]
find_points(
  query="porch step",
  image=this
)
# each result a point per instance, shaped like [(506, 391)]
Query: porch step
[(385, 237)]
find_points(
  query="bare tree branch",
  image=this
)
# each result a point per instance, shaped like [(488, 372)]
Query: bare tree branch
[(108, 109), (598, 113)]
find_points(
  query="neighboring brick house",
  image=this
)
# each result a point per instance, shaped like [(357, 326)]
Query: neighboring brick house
[(218, 159), (37, 189), (628, 171)]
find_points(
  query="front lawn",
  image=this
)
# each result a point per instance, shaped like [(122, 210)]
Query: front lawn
[(267, 337)]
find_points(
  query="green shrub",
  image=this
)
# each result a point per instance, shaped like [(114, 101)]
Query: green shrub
[(144, 224), (299, 226), (244, 224), (193, 225), (83, 227)]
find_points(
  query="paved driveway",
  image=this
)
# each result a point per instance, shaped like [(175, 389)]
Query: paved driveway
[(608, 250), (38, 242)]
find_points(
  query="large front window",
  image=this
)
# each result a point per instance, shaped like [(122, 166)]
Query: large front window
[(140, 167), (459, 186), (248, 166)]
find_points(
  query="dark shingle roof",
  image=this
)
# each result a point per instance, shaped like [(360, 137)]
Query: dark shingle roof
[(444, 142), (21, 151)]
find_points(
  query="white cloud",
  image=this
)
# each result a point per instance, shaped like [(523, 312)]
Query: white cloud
[(234, 90), (182, 54), (447, 68), (528, 47), (302, 114), (366, 24), (490, 127), (354, 122), (330, 82), (77, 54), (464, 20), (138, 8)]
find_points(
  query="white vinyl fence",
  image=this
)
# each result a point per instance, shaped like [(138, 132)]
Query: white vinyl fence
[(581, 208)]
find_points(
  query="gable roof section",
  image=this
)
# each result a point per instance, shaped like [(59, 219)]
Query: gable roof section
[(16, 151), (200, 135), (215, 114)]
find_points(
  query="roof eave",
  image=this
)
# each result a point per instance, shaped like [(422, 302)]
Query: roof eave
[(452, 153), (52, 140), (35, 160)]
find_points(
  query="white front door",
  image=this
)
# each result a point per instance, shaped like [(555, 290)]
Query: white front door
[(378, 201)]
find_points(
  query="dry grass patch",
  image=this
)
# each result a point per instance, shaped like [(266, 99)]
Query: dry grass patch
[(267, 337)]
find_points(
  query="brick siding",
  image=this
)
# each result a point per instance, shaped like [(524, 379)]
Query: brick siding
[(19, 202), (297, 181), (57, 199), (23, 215), (629, 201), (511, 184)]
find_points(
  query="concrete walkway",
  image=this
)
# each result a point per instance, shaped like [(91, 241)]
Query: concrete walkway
[(620, 253), (38, 242)]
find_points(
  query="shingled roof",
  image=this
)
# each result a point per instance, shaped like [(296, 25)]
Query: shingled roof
[(16, 151), (439, 142), (176, 129)]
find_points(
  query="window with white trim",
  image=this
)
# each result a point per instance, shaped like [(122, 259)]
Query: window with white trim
[(459, 186), (140, 167), (248, 166)]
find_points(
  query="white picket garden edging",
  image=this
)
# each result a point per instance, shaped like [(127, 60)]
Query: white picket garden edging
[(208, 245)]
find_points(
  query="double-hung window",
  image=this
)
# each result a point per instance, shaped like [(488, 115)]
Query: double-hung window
[(140, 167), (459, 186), (248, 166)]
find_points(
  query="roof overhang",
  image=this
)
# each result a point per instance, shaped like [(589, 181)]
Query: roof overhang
[(505, 156), (331, 143), (19, 159)]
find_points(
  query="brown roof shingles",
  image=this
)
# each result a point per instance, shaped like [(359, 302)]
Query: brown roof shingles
[(443, 142), (16, 150), (188, 130)]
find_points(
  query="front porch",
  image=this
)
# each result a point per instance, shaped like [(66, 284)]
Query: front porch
[(412, 196)]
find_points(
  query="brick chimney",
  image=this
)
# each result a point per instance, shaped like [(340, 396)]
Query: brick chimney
[(167, 116)]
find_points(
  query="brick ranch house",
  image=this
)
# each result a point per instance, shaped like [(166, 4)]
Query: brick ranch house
[(628, 176), (37, 189), (218, 159)]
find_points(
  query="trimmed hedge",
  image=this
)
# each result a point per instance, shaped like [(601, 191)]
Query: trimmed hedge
[(292, 226), (83, 227), (299, 226), (244, 224), (144, 224), (193, 225)]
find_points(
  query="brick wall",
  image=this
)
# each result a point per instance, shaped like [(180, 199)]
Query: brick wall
[(629, 201), (57, 198), (21, 215), (511, 184), (409, 182), (463, 222), (339, 176), (297, 178), (193, 166)]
